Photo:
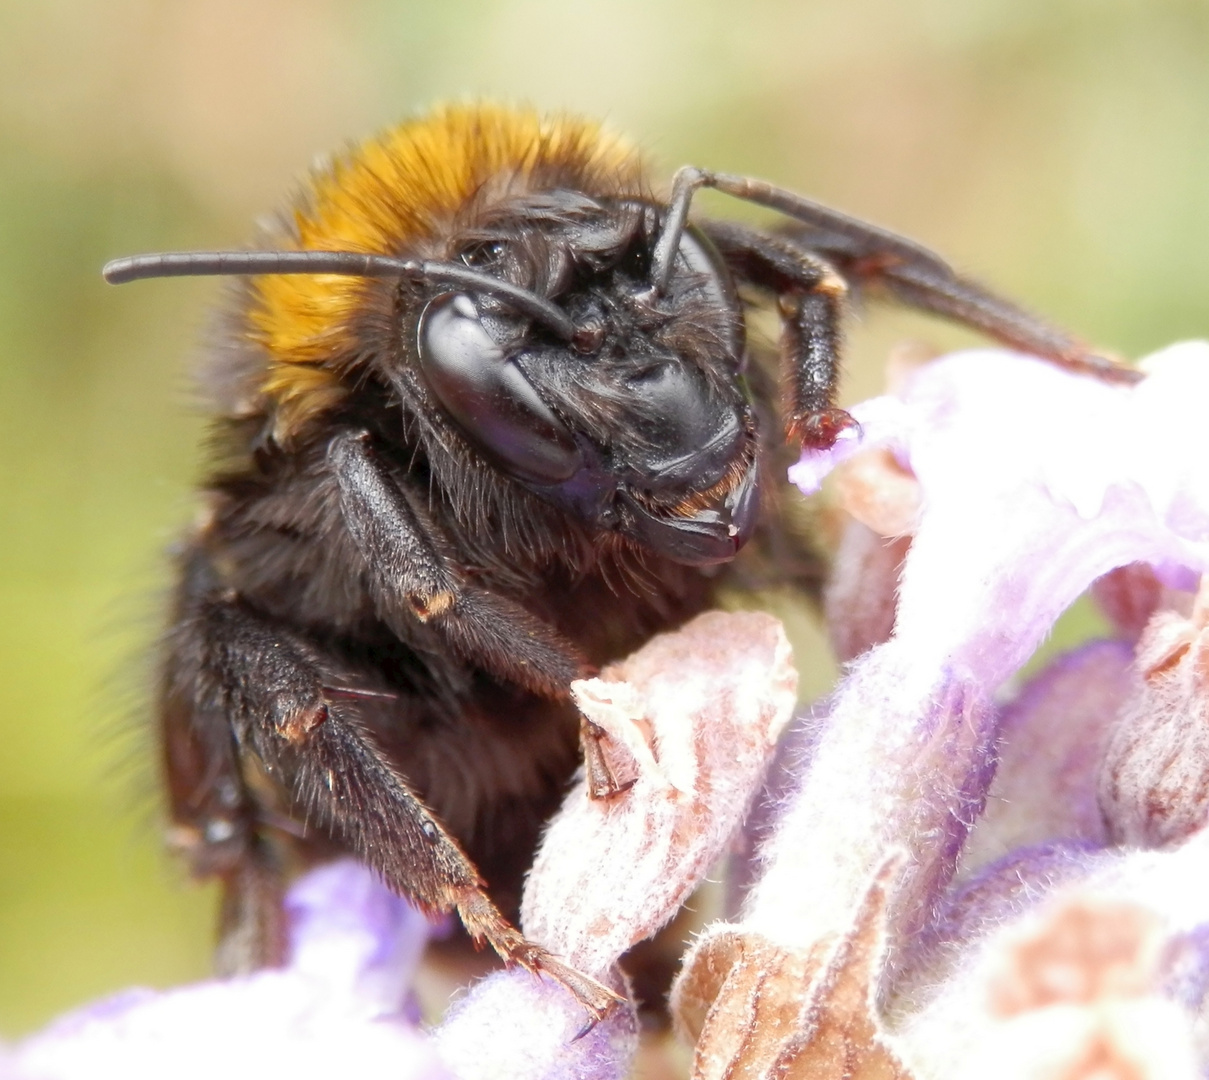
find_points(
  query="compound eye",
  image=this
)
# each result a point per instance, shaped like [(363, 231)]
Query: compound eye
[(488, 395), (483, 253)]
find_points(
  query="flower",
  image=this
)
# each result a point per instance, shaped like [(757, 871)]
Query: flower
[(1020, 484), (341, 1007)]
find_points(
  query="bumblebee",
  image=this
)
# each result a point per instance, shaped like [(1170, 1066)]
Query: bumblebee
[(486, 419)]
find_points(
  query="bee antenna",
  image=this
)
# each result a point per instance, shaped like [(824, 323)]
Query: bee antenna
[(350, 263), (685, 183)]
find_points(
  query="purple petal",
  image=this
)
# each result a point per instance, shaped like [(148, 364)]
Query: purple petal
[(350, 930), (880, 422), (337, 1009), (1035, 482), (1053, 737), (515, 1026)]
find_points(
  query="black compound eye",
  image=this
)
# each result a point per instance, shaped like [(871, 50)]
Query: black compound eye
[(488, 395), (484, 253)]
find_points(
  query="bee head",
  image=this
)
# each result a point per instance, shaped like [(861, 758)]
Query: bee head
[(631, 418)]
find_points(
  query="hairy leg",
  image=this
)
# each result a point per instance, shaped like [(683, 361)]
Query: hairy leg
[(268, 687)]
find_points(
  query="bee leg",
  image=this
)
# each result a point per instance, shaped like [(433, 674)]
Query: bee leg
[(215, 817), (811, 296), (272, 680), (911, 272), (607, 774), (932, 286), (411, 579)]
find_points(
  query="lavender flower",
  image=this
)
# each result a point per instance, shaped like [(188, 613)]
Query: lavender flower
[(856, 954), (342, 1007)]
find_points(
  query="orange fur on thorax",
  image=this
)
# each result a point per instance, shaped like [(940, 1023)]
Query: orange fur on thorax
[(390, 194)]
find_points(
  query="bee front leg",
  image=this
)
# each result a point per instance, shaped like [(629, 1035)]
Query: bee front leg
[(411, 577), (271, 681), (811, 296)]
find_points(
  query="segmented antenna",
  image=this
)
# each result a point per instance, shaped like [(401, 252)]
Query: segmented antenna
[(350, 263)]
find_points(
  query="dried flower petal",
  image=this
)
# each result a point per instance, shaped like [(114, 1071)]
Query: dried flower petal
[(760, 1010), (1129, 596), (700, 710), (861, 596), (1155, 784), (878, 491)]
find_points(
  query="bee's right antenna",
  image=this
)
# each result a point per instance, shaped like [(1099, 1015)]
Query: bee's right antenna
[(912, 272), (663, 257)]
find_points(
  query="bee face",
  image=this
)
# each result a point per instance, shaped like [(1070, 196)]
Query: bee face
[(638, 428)]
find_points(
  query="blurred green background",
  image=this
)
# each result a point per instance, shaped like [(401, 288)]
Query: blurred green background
[(1057, 148)]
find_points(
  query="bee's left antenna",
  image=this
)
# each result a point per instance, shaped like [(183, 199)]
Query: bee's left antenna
[(349, 263), (224, 263)]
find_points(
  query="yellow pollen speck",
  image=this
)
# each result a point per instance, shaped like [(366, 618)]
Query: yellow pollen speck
[(832, 285), (436, 604)]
